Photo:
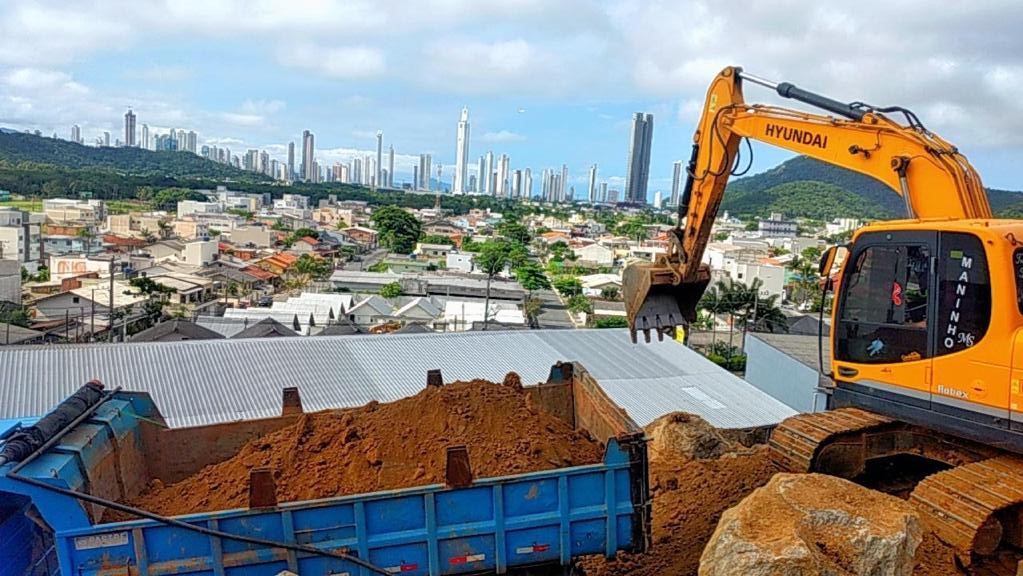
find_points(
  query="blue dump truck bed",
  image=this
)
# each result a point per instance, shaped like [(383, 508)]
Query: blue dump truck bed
[(526, 522)]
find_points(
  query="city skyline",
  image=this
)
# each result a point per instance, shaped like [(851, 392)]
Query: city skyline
[(559, 93)]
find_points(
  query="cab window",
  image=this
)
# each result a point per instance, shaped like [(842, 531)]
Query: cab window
[(964, 293), (884, 312)]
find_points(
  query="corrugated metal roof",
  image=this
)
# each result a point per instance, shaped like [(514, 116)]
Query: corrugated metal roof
[(201, 382)]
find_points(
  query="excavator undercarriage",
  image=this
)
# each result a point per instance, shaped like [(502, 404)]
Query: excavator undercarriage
[(969, 494)]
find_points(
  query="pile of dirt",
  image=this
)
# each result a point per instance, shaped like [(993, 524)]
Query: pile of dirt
[(689, 496), (388, 446), (682, 435), (814, 524)]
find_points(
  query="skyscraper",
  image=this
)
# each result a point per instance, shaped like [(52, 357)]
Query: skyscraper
[(390, 167), (308, 148), (145, 138), (129, 128), (488, 174), (191, 141), (106, 138), (461, 153), (291, 161), (639, 158), (481, 170), (76, 134), (591, 190), (501, 189), (676, 184), (378, 177), (516, 186), (527, 183), (657, 199), (425, 165), (563, 194), (603, 191)]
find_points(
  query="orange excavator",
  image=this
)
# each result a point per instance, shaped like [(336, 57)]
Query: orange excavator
[(927, 321)]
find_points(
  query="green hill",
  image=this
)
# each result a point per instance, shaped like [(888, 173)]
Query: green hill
[(804, 187), (18, 148)]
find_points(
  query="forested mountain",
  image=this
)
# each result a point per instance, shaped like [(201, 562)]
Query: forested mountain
[(804, 187), (17, 148)]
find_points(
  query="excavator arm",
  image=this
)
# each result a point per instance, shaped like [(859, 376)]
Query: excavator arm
[(933, 178)]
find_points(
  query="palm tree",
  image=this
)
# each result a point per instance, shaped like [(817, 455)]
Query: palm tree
[(712, 302)]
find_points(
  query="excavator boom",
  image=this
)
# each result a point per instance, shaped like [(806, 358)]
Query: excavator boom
[(933, 178)]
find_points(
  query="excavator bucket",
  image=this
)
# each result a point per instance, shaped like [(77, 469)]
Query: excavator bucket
[(656, 300)]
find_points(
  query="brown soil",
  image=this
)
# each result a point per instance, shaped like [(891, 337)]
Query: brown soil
[(689, 496), (388, 446)]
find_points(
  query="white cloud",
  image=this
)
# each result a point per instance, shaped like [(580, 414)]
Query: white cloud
[(161, 73), (502, 136), (335, 62)]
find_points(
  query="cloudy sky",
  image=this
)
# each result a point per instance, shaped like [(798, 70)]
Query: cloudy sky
[(546, 81)]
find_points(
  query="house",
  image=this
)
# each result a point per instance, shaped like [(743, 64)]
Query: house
[(166, 249), (459, 315), (421, 310), (645, 252), (359, 281), (88, 307), (254, 236), (190, 228), (190, 291), (11, 335), (439, 251), (175, 331), (365, 237), (266, 328), (373, 310), (594, 284), (555, 236), (596, 254), (277, 263), (305, 245), (200, 252), (442, 228), (461, 261)]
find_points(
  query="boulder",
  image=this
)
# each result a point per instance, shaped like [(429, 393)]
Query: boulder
[(812, 524), (682, 435)]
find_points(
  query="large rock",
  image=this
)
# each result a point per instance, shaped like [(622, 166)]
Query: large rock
[(812, 524), (684, 435)]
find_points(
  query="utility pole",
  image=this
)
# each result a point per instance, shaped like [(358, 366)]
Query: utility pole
[(110, 314)]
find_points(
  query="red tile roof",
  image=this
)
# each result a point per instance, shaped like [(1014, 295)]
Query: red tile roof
[(259, 273), (310, 240)]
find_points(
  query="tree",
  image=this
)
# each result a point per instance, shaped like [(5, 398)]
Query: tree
[(391, 290), (303, 232), (399, 229), (568, 286), (435, 239), (532, 307), (559, 250), (720, 236), (752, 226), (380, 266), (611, 322), (86, 235), (515, 231), (492, 258), (43, 275), (532, 277), (610, 293), (805, 277), (580, 304), (312, 266)]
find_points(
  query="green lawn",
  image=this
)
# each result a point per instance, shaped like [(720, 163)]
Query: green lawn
[(113, 206)]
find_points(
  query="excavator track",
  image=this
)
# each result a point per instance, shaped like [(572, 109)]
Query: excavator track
[(796, 441), (974, 507)]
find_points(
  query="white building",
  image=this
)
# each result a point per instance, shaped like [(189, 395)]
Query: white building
[(595, 253), (10, 281), (594, 284), (199, 253), (461, 261), (188, 207), (777, 227), (461, 154), (20, 238)]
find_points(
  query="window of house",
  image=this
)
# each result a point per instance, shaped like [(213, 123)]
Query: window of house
[(74, 299), (884, 312)]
